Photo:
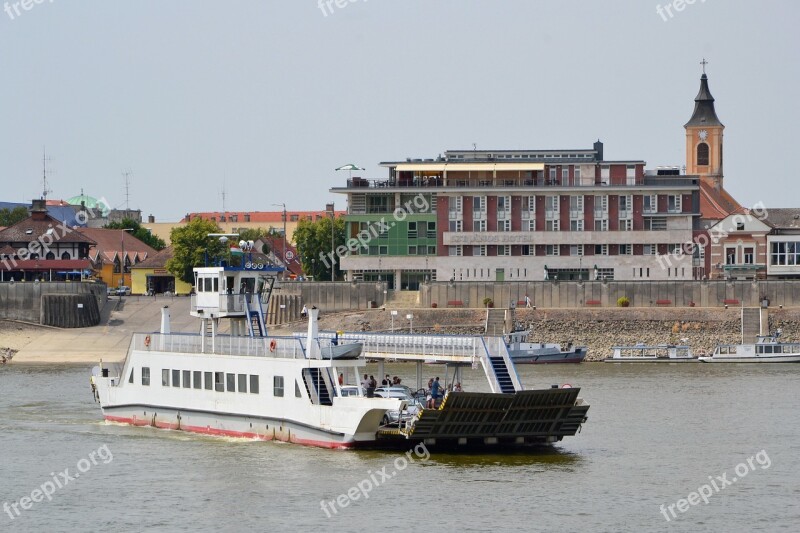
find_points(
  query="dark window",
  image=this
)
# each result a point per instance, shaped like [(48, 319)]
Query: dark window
[(176, 378), (130, 379), (198, 379), (242, 382), (231, 382), (146, 376), (702, 154), (187, 379), (253, 384), (165, 377), (209, 381), (297, 390), (277, 383), (219, 381)]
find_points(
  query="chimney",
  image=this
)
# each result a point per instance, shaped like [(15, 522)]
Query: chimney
[(598, 147), (151, 219), (39, 209)]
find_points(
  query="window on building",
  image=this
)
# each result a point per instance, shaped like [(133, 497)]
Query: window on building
[(528, 249), (630, 174), (253, 384), (576, 250), (455, 226), (702, 154), (455, 251), (479, 250), (412, 230), (503, 225), (455, 207), (626, 224), (655, 224), (504, 250), (552, 225), (649, 249), (277, 386), (529, 225), (412, 250), (478, 225), (650, 203), (730, 256), (740, 226), (576, 225), (552, 249), (565, 175), (749, 256), (601, 225), (600, 249), (576, 206), (146, 376), (625, 249), (674, 203)]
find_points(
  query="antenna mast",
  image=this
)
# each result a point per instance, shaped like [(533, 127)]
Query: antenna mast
[(127, 176), (45, 189)]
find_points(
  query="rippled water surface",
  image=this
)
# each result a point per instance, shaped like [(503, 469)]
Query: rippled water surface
[(655, 434)]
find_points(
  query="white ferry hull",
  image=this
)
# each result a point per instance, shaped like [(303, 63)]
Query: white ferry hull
[(753, 359), (650, 360)]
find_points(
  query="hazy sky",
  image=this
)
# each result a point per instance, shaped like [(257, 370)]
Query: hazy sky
[(271, 96)]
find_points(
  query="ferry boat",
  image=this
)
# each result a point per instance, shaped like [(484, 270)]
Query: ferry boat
[(248, 384), (767, 349), (523, 352), (661, 353)]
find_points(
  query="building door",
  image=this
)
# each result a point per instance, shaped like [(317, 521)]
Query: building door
[(500, 274)]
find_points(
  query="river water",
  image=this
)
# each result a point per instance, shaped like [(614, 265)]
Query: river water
[(656, 434)]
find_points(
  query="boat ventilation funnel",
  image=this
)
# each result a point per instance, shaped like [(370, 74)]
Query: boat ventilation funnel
[(165, 320), (312, 345)]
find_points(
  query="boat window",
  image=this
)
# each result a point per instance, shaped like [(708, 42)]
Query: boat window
[(297, 390), (216, 284), (130, 379), (219, 383), (277, 384), (207, 283), (767, 349), (146, 376), (187, 379), (209, 382), (198, 382), (165, 377), (253, 384), (231, 382), (176, 378), (242, 382), (778, 349)]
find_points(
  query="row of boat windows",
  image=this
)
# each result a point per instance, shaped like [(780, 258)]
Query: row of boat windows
[(216, 381), (763, 349)]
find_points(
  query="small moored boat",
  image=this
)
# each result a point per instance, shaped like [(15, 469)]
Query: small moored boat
[(767, 349), (661, 353)]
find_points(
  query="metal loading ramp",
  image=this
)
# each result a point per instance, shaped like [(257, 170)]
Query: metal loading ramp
[(534, 415)]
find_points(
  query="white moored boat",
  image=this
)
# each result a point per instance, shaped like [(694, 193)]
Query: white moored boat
[(247, 384), (661, 353), (767, 349)]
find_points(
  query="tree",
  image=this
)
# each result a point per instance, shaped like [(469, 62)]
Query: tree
[(192, 247), (253, 234), (313, 242), (143, 234), (9, 217)]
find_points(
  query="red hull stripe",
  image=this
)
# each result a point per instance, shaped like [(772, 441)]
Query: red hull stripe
[(227, 433)]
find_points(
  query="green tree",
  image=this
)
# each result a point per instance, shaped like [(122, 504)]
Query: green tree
[(253, 234), (143, 234), (192, 247), (313, 242), (9, 217)]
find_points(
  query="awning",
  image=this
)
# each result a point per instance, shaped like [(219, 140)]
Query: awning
[(468, 167)]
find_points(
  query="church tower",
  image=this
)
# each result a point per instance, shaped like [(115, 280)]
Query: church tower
[(704, 138)]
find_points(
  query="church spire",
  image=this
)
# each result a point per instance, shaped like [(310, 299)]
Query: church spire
[(704, 112)]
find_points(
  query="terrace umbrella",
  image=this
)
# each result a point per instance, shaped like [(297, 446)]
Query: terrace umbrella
[(350, 168)]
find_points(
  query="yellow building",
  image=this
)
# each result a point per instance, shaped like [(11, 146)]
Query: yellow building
[(116, 251), (152, 275)]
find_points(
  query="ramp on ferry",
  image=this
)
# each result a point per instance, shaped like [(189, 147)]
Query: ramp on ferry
[(480, 419)]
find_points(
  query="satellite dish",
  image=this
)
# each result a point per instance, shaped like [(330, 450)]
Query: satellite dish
[(223, 239)]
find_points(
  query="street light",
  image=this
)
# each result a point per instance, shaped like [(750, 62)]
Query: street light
[(283, 257), (410, 318), (329, 208)]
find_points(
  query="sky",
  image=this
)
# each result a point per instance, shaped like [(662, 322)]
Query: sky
[(264, 99)]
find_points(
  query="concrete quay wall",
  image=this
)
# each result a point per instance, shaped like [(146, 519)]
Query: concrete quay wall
[(23, 301)]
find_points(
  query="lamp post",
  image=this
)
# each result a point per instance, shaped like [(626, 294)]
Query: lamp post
[(329, 208), (283, 217)]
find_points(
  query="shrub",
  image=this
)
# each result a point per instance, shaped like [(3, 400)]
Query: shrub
[(488, 302), (623, 302)]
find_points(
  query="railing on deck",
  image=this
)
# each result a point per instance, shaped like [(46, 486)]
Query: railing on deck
[(278, 347), (427, 346)]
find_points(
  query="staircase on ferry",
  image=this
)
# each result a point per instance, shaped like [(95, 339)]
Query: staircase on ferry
[(256, 324), (502, 374), (317, 384), (499, 367)]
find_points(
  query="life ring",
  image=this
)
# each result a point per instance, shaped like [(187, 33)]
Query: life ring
[(147, 341), (273, 345)]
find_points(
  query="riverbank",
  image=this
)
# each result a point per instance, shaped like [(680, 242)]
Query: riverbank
[(599, 329)]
